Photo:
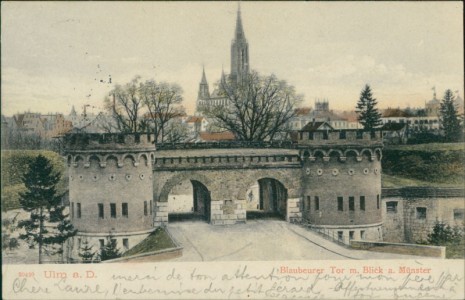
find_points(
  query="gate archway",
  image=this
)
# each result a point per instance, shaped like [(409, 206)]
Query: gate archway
[(272, 200), (189, 199), (202, 200)]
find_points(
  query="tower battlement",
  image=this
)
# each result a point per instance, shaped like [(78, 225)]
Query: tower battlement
[(338, 137), (110, 141)]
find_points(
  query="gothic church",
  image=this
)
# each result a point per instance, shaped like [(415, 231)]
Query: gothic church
[(239, 67)]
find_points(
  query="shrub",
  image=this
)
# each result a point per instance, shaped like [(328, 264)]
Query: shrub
[(453, 238)]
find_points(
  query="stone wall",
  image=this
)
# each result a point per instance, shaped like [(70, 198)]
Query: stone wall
[(228, 189), (110, 187), (393, 220), (110, 184), (418, 210)]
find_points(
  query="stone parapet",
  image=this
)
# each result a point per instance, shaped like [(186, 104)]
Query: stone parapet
[(423, 192), (400, 248), (109, 141)]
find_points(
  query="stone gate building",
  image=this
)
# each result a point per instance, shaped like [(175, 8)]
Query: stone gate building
[(120, 183)]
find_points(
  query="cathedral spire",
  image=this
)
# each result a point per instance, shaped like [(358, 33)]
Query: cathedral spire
[(239, 51), (239, 35), (73, 112), (204, 78), (204, 93)]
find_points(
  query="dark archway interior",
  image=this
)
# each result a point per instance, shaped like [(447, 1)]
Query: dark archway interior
[(201, 200), (273, 200), (201, 205)]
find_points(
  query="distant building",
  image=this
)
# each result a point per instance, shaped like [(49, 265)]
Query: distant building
[(394, 133), (29, 123), (196, 124), (91, 123), (239, 67), (46, 126), (56, 125), (433, 106), (216, 136), (322, 113), (302, 117)]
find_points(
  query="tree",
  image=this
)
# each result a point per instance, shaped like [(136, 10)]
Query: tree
[(176, 131), (110, 250), (8, 227), (39, 199), (448, 117), (64, 229), (162, 101), (443, 234), (368, 114), (85, 252), (125, 105), (258, 109)]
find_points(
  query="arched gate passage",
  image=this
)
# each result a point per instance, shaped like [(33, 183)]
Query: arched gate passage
[(272, 200), (202, 200), (189, 200)]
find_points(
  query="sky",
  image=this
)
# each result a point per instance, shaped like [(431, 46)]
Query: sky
[(58, 54)]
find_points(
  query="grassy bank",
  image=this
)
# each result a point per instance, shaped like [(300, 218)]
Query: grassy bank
[(14, 164), (440, 165), (157, 240)]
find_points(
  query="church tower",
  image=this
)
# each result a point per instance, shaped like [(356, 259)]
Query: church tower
[(204, 93), (239, 51)]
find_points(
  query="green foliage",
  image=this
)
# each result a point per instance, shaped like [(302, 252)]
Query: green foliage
[(449, 120), (43, 202), (157, 240), (63, 231), (428, 162), (8, 227), (110, 250), (10, 196), (453, 238), (443, 234), (85, 252), (14, 164), (433, 147), (424, 136), (368, 114)]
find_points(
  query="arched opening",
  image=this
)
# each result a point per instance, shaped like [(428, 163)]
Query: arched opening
[(334, 156), (266, 199), (189, 200), (201, 200)]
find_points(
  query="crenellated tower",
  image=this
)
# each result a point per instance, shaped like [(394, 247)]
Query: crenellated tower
[(110, 187)]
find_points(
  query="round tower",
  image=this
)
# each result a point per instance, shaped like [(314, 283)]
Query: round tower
[(110, 187), (341, 184)]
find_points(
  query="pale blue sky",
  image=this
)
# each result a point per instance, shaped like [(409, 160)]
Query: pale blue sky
[(55, 54)]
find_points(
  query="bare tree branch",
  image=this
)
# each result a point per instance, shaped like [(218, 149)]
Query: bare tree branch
[(258, 107)]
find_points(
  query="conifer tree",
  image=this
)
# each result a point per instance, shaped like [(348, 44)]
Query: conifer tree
[(85, 252), (64, 229), (41, 200), (110, 250), (8, 242), (368, 114), (448, 117)]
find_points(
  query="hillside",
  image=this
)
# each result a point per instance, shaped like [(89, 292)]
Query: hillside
[(440, 165), (15, 164)]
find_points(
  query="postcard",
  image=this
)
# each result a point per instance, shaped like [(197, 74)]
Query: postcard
[(232, 150)]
